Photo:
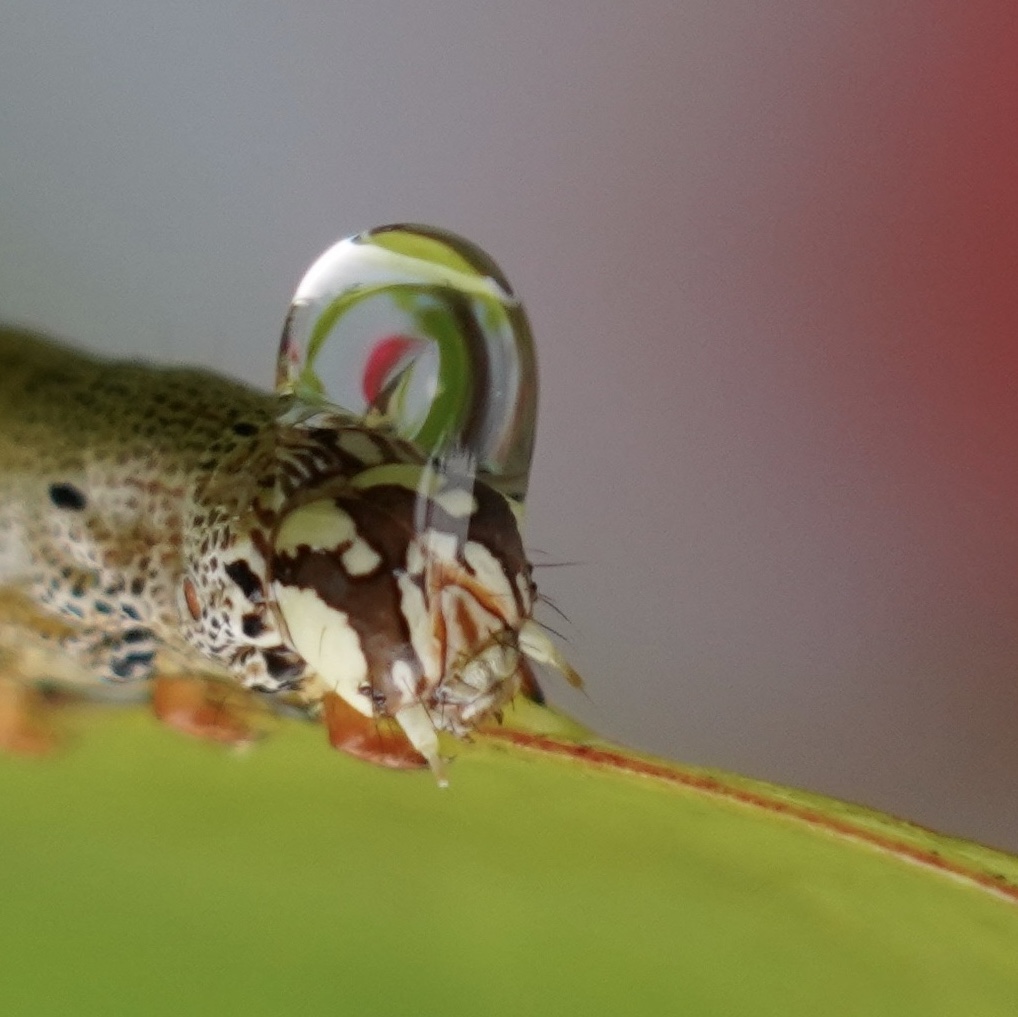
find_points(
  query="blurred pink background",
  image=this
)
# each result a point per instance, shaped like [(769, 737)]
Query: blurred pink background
[(769, 251)]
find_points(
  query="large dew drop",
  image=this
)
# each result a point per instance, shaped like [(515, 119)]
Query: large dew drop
[(417, 329)]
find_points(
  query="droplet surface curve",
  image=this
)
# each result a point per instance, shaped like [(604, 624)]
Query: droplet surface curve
[(417, 329)]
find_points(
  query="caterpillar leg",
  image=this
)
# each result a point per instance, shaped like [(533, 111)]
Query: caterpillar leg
[(24, 730), (41, 649), (375, 740), (30, 656), (205, 709)]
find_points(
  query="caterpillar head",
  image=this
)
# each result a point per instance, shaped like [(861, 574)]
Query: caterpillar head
[(410, 596), (404, 586)]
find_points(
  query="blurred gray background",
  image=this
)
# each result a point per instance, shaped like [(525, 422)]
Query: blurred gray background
[(768, 248)]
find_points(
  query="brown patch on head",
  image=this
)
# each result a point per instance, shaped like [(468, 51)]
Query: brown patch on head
[(494, 526), (466, 624), (388, 518), (383, 518), (442, 574)]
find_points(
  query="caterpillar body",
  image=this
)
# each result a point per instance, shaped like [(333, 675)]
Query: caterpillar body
[(159, 522)]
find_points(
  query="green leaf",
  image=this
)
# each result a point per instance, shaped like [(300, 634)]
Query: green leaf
[(145, 874)]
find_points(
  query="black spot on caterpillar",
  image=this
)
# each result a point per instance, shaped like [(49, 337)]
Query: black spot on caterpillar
[(67, 496)]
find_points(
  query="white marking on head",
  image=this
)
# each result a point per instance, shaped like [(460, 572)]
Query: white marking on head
[(438, 545), (360, 559), (490, 574), (320, 525), (324, 637), (422, 632), (411, 476), (457, 502), (360, 446), (403, 679), (415, 559), (323, 526)]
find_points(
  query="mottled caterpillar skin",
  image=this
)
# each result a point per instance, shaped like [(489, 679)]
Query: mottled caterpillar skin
[(163, 518)]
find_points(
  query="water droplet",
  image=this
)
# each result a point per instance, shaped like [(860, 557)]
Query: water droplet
[(417, 329)]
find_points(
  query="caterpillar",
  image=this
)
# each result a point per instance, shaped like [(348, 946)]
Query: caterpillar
[(160, 524)]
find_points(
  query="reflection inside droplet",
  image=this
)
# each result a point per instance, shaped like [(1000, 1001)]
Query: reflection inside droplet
[(417, 330)]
